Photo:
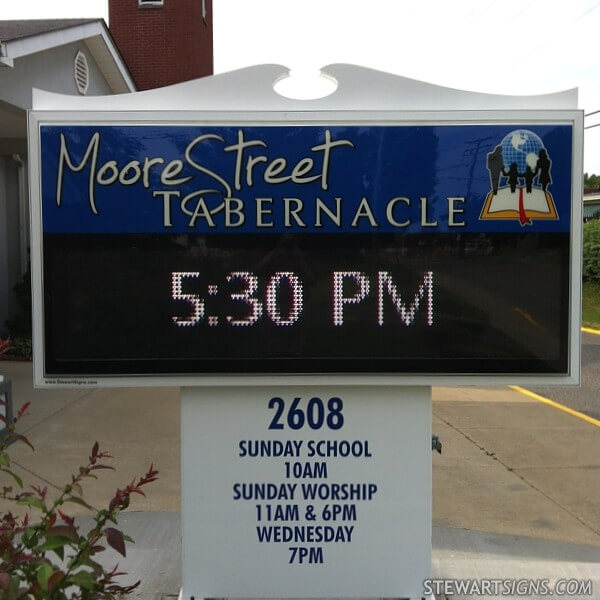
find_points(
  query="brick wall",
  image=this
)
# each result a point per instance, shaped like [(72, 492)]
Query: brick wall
[(163, 44)]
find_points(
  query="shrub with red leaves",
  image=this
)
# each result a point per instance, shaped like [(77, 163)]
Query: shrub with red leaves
[(50, 558), (5, 346)]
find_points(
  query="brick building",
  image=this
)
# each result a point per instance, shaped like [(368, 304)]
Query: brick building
[(163, 41)]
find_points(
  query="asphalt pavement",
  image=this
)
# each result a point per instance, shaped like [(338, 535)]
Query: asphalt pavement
[(516, 491), (585, 399)]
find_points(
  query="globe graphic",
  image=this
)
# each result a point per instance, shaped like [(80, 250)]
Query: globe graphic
[(521, 147)]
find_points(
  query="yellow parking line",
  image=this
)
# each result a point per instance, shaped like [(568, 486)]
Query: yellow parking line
[(549, 402), (590, 330)]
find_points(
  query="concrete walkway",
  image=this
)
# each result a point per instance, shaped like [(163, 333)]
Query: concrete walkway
[(516, 492)]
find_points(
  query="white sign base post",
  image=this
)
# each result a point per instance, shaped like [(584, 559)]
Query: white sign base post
[(325, 496)]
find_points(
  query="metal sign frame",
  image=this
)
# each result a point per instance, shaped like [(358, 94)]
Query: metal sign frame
[(572, 118)]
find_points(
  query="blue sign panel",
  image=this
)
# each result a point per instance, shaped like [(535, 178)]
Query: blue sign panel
[(306, 248), (306, 179)]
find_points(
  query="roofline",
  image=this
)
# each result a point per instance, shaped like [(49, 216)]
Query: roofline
[(31, 44)]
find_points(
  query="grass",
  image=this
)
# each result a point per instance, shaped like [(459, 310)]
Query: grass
[(591, 305)]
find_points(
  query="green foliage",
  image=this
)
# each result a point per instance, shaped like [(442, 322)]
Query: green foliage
[(19, 347), (591, 181), (23, 347), (591, 251), (591, 305), (50, 558)]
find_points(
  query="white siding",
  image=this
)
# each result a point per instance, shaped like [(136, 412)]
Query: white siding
[(51, 70)]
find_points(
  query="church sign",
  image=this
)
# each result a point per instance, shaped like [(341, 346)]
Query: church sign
[(412, 248)]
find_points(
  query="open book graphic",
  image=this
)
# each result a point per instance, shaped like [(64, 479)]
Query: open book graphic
[(520, 204)]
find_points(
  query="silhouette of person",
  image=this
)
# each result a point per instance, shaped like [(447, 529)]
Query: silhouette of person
[(513, 177), (543, 168), (529, 176), (495, 165)]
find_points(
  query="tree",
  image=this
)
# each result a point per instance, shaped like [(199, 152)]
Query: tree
[(591, 181)]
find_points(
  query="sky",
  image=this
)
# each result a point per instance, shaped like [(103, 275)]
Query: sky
[(514, 47)]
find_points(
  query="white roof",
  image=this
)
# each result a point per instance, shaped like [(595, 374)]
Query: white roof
[(22, 38)]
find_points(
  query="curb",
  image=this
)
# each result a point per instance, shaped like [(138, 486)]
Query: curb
[(556, 405), (591, 330)]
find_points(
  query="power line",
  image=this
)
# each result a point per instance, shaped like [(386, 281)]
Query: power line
[(587, 12)]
